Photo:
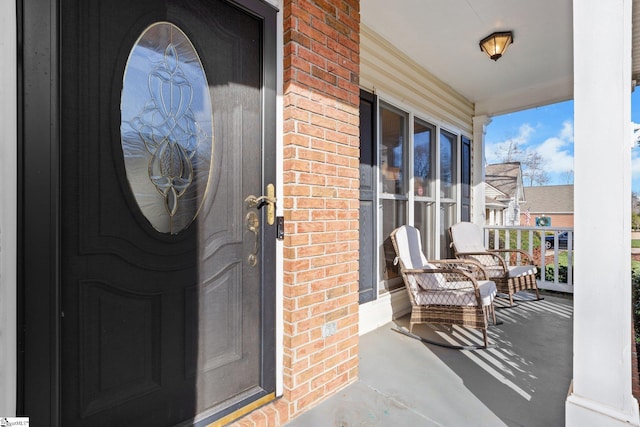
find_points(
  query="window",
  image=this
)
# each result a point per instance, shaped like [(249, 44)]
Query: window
[(424, 167), (394, 185), (392, 151), (419, 183), (465, 180), (448, 181)]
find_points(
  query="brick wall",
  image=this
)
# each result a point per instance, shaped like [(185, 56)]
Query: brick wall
[(321, 180), (557, 220)]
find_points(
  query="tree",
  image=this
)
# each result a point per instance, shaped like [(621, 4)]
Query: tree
[(635, 221), (635, 203), (509, 151), (533, 169), (422, 161), (635, 211), (568, 176), (532, 162)]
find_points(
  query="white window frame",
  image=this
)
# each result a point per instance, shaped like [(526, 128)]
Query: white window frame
[(412, 114)]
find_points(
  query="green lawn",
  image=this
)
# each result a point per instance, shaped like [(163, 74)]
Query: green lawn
[(635, 243), (524, 243), (563, 258)]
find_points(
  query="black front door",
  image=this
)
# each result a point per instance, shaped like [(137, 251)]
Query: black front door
[(163, 261)]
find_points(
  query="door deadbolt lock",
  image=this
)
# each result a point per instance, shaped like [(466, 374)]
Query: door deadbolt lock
[(280, 228), (268, 200)]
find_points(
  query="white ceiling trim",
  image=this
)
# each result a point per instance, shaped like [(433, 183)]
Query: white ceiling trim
[(528, 97)]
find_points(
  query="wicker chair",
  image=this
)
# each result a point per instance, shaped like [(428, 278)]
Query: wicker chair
[(467, 242), (451, 292)]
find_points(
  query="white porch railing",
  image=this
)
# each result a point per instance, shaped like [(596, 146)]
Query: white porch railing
[(532, 240)]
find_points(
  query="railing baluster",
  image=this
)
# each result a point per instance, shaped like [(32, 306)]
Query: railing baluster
[(555, 258), (507, 244), (570, 258), (496, 231), (543, 257)]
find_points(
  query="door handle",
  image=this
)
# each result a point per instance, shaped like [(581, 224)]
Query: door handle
[(269, 200)]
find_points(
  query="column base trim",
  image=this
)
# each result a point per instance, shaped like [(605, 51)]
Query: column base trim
[(581, 411)]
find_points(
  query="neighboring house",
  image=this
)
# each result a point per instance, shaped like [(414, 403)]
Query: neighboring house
[(504, 193), (197, 195), (553, 201)]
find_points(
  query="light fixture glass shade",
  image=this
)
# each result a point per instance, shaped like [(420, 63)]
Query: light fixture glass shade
[(496, 44)]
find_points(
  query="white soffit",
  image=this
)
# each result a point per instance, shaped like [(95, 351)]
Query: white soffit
[(442, 36)]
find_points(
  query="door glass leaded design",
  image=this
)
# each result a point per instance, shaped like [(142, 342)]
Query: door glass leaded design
[(166, 127)]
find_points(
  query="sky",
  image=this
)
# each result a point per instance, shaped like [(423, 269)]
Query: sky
[(548, 131)]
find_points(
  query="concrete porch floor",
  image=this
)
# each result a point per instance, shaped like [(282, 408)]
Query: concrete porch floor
[(523, 381)]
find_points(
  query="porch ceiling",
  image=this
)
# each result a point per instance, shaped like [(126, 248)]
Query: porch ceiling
[(443, 36)]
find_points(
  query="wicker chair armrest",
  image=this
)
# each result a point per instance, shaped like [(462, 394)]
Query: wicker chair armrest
[(495, 256), (470, 266), (451, 274)]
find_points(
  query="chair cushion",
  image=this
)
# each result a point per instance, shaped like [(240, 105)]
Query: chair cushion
[(458, 294), (429, 281), (409, 247), (522, 270), (467, 237), (488, 291)]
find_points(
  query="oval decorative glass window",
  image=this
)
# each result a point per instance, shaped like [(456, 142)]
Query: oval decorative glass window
[(166, 127)]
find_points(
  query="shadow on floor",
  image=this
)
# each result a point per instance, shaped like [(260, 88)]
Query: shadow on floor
[(523, 381)]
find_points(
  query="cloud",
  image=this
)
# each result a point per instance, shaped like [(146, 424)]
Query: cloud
[(635, 163), (635, 169), (635, 134), (557, 153), (567, 131), (524, 133)]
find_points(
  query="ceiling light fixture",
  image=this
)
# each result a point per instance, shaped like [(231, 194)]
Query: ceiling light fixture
[(496, 44)]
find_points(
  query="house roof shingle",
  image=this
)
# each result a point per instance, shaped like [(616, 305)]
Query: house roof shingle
[(549, 199), (503, 177)]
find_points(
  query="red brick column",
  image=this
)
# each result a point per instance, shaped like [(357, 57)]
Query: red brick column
[(321, 181)]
